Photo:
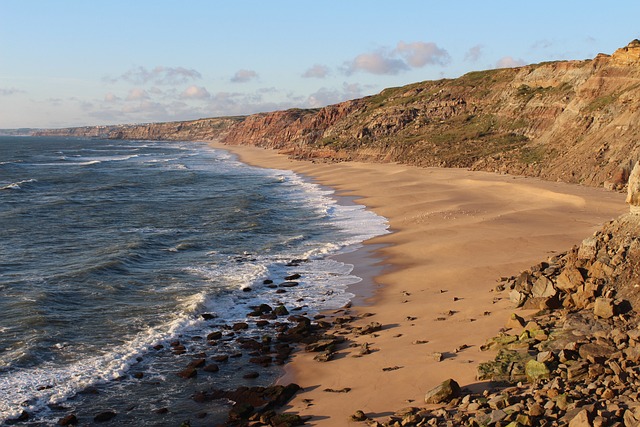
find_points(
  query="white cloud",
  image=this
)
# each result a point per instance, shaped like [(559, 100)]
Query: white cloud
[(402, 58), (376, 63), (10, 91), (419, 54), (137, 94), (110, 97), (317, 71), (195, 92), (243, 76), (159, 75), (474, 53), (509, 62)]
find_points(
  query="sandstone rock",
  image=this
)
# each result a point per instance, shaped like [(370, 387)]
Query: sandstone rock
[(604, 308), (569, 279), (444, 392), (633, 190), (536, 371), (582, 419), (543, 288), (588, 249)]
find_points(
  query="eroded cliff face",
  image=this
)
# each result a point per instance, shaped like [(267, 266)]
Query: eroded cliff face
[(574, 121), (194, 130)]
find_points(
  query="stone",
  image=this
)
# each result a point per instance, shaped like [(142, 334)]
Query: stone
[(588, 249), (104, 416), (68, 420), (515, 322), (444, 392), (188, 372), (582, 419), (604, 308), (543, 288), (633, 190), (536, 371), (569, 279), (595, 352), (359, 416)]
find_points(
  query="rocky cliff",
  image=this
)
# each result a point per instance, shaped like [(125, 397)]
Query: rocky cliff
[(574, 121)]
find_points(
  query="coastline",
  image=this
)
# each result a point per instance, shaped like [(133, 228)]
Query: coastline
[(454, 233)]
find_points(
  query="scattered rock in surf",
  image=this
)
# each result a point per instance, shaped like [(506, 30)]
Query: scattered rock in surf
[(68, 420), (137, 375), (212, 367), (209, 316), (162, 411), (197, 363), (246, 289), (215, 335), (251, 375), (240, 326), (220, 358), (188, 372), (267, 282), (104, 416), (281, 310), (293, 277), (288, 284)]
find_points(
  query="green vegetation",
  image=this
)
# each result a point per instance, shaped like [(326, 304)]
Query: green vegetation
[(531, 155), (602, 102)]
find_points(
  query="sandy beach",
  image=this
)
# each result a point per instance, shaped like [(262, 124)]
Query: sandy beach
[(454, 234)]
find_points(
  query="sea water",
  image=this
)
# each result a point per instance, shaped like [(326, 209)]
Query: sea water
[(111, 250)]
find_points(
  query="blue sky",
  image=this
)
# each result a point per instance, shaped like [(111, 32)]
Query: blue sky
[(90, 62)]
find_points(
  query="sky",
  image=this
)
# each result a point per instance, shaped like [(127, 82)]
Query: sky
[(70, 63)]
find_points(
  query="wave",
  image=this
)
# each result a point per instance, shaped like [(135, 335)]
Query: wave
[(17, 185), (33, 389)]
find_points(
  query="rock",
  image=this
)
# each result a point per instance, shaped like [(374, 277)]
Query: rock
[(188, 372), (543, 288), (359, 416), (536, 371), (68, 420), (595, 352), (240, 326), (515, 322), (604, 308), (588, 249), (569, 279), (370, 328), (211, 368), (633, 190), (444, 392), (321, 345), (582, 419), (251, 375), (294, 276), (216, 335), (287, 420), (104, 416), (281, 310)]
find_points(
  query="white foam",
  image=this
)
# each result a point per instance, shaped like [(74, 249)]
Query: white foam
[(17, 185)]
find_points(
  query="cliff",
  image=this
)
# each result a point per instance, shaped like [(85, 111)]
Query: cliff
[(574, 121)]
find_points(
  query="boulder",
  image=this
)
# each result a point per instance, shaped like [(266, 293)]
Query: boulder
[(444, 392), (604, 308), (633, 190), (536, 371), (569, 279), (543, 288)]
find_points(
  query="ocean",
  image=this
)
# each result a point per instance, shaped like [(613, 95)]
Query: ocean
[(111, 251)]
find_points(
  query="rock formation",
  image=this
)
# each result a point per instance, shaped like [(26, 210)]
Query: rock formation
[(573, 121), (633, 190)]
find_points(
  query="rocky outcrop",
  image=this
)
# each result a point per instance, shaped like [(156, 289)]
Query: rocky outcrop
[(573, 121)]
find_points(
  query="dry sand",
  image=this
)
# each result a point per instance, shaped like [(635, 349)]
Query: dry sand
[(455, 233)]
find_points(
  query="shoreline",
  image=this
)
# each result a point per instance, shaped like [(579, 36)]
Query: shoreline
[(454, 234)]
